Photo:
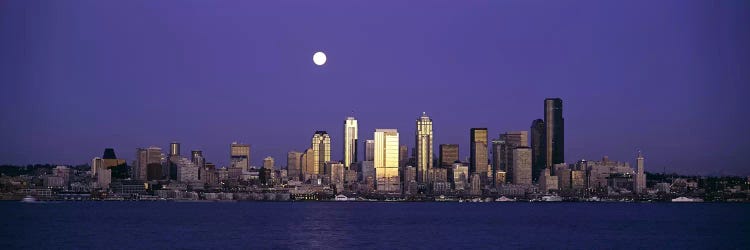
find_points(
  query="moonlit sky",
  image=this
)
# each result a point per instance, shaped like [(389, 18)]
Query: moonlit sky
[(663, 76)]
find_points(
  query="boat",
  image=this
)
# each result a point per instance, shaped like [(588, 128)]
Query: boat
[(341, 197), (551, 198), (594, 199), (29, 199), (686, 199), (504, 199)]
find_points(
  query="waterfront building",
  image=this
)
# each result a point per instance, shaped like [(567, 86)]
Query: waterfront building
[(554, 132), (386, 160), (321, 146), (521, 166), (239, 156), (350, 141), (597, 172), (423, 146)]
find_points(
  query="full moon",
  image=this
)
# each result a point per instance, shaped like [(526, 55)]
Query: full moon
[(319, 58)]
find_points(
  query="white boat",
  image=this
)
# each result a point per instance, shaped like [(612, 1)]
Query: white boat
[(551, 198), (594, 199), (504, 199), (29, 199), (341, 197), (686, 199)]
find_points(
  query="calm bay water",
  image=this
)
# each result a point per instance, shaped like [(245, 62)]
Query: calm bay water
[(135, 225)]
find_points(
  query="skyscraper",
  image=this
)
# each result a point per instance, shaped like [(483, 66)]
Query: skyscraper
[(174, 148), (503, 150), (350, 141), (537, 148), (554, 132), (170, 169), (321, 146), (308, 164), (448, 155), (403, 156), (521, 166), (196, 156), (239, 155), (478, 158), (369, 150), (268, 162), (386, 160), (640, 176), (423, 146), (96, 163), (294, 165), (144, 157)]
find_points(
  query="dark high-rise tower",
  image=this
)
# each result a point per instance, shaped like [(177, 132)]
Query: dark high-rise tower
[(537, 148), (554, 132), (448, 155)]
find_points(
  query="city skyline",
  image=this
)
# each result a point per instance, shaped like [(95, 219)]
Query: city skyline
[(91, 77)]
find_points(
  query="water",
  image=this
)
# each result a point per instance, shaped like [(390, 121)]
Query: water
[(385, 225)]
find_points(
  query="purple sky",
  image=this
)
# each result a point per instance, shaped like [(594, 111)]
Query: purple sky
[(663, 76)]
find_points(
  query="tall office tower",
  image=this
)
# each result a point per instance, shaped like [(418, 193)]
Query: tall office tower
[(640, 177), (294, 165), (448, 155), (187, 171), (350, 141), (268, 162), (308, 164), (554, 132), (110, 162), (170, 168), (321, 145), (403, 156), (521, 166), (478, 157), (196, 156), (503, 150), (144, 157), (239, 156), (537, 148), (423, 145), (386, 160), (174, 148), (369, 150), (96, 162)]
